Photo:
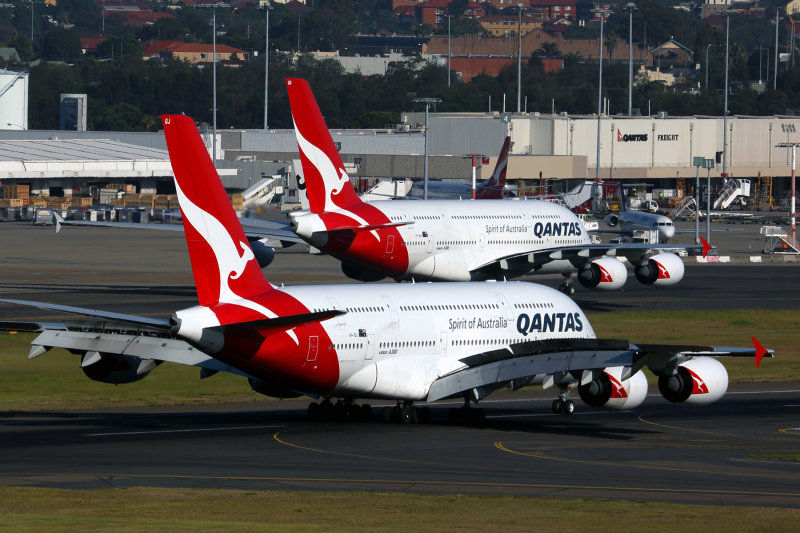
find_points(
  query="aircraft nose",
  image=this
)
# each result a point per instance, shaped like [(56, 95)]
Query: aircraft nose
[(669, 231)]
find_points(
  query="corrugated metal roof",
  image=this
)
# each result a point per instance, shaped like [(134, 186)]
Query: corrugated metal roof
[(77, 150)]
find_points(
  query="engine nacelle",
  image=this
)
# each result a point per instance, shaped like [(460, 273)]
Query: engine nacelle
[(612, 220), (609, 391), (661, 270), (264, 254), (605, 274), (698, 381), (115, 368), (361, 274)]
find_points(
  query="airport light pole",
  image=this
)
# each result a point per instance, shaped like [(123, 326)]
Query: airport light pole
[(427, 102), (793, 213), (267, 7), (630, 7), (519, 58), (775, 80), (449, 17), (603, 13), (727, 13)]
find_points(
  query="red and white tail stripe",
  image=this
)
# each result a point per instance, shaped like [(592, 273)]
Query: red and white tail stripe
[(223, 263), (327, 183)]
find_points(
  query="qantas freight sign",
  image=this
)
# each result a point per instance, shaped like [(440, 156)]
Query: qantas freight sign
[(449, 240)]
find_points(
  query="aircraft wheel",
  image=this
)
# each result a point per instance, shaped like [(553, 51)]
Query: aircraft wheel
[(568, 407), (387, 414), (365, 412), (407, 415), (556, 406), (314, 412)]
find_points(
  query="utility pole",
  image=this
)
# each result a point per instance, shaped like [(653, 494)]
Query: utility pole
[(427, 102)]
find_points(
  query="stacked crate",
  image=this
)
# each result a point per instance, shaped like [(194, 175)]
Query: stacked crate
[(18, 195), (237, 201)]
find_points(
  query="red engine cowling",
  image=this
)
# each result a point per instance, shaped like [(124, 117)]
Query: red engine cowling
[(662, 270), (698, 381), (605, 274), (609, 391)]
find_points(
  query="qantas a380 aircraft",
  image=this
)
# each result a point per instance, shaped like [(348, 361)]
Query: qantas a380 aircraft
[(447, 240), (406, 342)]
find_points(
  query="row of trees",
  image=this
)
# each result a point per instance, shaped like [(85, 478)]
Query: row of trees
[(127, 93)]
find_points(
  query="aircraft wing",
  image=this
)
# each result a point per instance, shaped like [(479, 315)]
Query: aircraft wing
[(516, 364), (274, 234), (524, 262)]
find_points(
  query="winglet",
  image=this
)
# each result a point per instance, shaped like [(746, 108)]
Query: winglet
[(58, 220), (706, 247), (760, 351)]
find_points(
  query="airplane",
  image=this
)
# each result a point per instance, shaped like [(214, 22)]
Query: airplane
[(630, 221), (403, 342), (447, 240), (492, 188)]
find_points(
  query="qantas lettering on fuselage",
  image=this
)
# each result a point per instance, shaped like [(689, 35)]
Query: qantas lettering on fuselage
[(549, 322), (557, 229)]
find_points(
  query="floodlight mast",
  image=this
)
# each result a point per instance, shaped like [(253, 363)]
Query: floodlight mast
[(427, 102), (793, 213)]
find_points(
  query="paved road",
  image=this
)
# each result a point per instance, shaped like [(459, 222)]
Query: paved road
[(657, 453)]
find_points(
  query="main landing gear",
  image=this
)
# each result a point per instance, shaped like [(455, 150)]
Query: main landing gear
[(562, 405), (466, 415), (406, 413), (342, 411), (566, 284)]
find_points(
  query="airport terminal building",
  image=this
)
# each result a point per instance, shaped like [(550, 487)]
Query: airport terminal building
[(659, 149)]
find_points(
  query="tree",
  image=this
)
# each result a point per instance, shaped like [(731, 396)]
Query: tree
[(548, 49), (61, 45)]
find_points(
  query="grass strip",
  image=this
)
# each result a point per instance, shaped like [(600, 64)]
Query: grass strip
[(163, 509)]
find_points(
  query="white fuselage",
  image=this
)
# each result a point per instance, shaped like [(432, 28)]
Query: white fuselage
[(395, 340)]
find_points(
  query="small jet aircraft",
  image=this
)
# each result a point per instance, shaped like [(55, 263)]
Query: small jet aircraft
[(405, 342)]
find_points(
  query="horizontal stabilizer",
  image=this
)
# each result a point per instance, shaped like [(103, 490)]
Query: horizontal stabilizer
[(281, 322), (371, 227), (157, 323)]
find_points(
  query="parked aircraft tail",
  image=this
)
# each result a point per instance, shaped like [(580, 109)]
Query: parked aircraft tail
[(223, 264), (327, 183), (497, 181)]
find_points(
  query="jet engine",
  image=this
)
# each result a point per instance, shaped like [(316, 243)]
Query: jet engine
[(115, 368), (605, 274), (661, 270), (612, 220), (698, 381), (264, 254), (609, 391)]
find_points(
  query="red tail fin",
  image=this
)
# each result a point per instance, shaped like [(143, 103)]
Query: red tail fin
[(223, 264), (498, 178), (327, 183)]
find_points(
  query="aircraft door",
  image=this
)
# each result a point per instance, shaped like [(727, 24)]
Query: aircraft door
[(370, 348), (442, 343), (313, 348), (389, 244), (335, 305)]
